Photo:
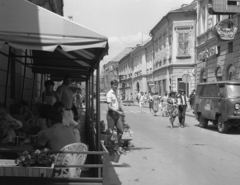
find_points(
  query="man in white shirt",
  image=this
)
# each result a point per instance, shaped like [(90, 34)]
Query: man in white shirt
[(182, 107), (114, 109)]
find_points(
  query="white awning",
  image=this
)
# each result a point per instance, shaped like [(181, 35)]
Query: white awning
[(24, 25)]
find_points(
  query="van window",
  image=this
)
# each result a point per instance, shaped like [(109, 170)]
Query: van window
[(233, 91), (208, 91)]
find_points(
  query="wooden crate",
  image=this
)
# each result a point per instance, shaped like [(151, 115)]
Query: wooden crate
[(115, 157), (9, 168)]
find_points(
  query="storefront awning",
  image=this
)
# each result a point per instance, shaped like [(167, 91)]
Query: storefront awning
[(55, 41)]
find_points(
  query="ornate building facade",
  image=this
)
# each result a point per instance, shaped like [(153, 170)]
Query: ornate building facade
[(174, 50), (217, 59)]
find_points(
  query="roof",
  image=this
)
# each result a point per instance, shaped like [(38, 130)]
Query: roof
[(188, 8), (122, 54)]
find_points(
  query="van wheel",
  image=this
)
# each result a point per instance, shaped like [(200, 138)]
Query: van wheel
[(202, 121), (222, 125)]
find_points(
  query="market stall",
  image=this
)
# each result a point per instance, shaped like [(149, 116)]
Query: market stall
[(56, 46)]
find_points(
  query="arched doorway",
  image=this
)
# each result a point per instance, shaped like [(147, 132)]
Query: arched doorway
[(204, 76), (138, 87), (231, 72), (218, 74)]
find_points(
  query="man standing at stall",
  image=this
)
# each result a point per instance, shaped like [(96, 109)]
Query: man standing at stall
[(114, 109), (182, 107)]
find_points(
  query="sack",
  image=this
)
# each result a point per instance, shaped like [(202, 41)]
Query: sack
[(127, 135)]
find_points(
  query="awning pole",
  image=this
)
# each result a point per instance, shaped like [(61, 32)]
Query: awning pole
[(98, 107), (41, 85), (86, 110), (34, 76), (24, 74), (92, 89), (8, 70)]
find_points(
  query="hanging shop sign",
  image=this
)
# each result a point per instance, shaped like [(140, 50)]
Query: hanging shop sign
[(226, 29)]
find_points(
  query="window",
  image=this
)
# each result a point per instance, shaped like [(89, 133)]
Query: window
[(204, 76), (219, 74), (208, 90), (203, 19), (231, 72), (183, 44), (230, 47)]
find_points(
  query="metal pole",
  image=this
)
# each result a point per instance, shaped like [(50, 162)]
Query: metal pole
[(41, 85), (34, 76), (24, 74), (86, 109), (98, 107), (8, 70)]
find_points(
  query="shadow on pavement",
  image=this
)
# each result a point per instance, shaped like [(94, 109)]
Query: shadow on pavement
[(113, 176), (231, 131), (138, 148)]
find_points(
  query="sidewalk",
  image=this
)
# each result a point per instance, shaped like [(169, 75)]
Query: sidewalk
[(189, 112)]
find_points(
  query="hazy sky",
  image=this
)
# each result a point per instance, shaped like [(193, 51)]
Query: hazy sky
[(124, 22)]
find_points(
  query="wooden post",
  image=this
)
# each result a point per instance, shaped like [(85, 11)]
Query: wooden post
[(105, 168), (8, 70), (98, 107), (34, 77)]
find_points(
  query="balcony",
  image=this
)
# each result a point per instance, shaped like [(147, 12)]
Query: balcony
[(203, 38)]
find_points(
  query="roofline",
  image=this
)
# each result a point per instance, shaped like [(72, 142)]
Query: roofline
[(220, 82), (171, 12)]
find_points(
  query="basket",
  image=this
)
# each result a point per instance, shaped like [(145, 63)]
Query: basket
[(115, 157), (9, 168)]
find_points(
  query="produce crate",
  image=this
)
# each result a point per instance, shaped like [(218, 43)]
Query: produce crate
[(9, 168), (115, 157)]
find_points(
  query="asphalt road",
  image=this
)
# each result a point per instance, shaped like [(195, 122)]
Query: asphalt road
[(183, 156)]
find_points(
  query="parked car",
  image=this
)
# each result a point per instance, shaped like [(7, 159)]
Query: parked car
[(218, 102), (103, 97)]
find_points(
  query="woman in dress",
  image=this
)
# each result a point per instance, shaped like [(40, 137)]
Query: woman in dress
[(164, 104), (172, 108), (141, 102), (150, 100), (156, 102), (49, 96)]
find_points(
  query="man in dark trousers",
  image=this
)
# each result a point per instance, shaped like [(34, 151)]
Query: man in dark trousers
[(182, 107)]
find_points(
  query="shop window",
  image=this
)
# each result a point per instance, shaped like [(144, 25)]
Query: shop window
[(231, 73), (204, 76), (218, 51), (219, 74), (230, 47)]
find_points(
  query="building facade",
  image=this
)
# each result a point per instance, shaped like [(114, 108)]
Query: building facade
[(20, 78), (173, 41), (217, 59)]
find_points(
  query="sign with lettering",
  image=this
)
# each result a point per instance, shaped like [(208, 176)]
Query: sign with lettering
[(226, 29)]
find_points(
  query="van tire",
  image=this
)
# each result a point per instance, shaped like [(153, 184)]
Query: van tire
[(222, 125), (202, 121)]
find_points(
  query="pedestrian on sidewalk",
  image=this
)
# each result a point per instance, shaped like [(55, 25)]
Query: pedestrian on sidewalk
[(156, 102), (172, 108), (150, 100), (164, 104), (182, 107), (115, 110), (141, 102), (145, 98)]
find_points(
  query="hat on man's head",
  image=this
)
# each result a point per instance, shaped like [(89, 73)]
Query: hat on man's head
[(181, 90), (114, 82)]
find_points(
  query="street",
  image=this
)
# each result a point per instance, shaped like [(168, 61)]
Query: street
[(183, 156)]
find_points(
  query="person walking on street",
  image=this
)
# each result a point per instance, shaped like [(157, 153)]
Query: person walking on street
[(145, 98), (150, 100), (164, 104), (172, 108), (191, 98), (115, 110), (156, 102), (182, 107), (141, 102)]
